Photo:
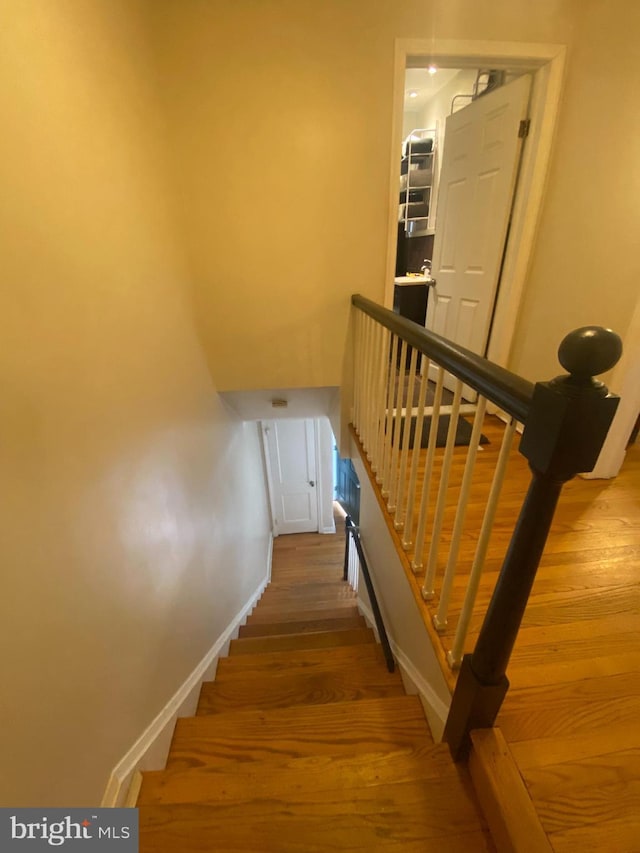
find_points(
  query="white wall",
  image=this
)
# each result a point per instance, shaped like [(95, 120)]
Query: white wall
[(134, 521), (436, 110), (410, 120)]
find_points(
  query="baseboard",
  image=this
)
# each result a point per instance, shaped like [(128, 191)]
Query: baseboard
[(331, 529), (150, 750), (436, 710)]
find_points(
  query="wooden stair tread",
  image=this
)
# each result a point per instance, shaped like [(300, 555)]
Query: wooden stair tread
[(278, 779), (291, 662), (341, 728), (310, 575), (336, 610), (304, 626), (322, 820), (314, 589), (305, 688), (293, 642)]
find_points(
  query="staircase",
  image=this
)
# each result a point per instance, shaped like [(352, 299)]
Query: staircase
[(305, 742)]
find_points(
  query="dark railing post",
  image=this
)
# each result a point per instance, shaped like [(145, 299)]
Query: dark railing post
[(347, 524), (564, 433), (352, 530)]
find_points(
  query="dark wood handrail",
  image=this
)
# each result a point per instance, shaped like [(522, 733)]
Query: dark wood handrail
[(566, 421), (351, 530), (510, 392)]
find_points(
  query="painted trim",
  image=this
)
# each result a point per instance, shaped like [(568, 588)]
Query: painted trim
[(433, 703), (134, 791), (317, 449), (150, 750), (547, 62)]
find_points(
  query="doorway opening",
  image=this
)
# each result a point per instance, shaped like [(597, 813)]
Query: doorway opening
[(509, 62)]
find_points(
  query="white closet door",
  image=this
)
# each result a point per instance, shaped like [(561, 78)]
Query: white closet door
[(291, 451)]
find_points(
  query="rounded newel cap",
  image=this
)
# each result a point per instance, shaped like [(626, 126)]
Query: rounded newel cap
[(589, 351)]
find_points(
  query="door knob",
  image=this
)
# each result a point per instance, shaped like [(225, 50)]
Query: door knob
[(312, 482)]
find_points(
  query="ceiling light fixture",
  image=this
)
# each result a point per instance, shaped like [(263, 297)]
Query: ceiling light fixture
[(413, 94), (432, 69)]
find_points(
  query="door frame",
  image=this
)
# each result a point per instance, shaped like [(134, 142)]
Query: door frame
[(625, 381), (546, 63)]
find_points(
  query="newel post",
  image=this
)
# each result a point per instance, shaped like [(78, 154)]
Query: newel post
[(564, 433)]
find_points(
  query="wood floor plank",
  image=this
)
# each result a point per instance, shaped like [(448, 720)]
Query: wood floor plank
[(615, 836), (564, 709), (587, 792), (565, 670), (547, 751)]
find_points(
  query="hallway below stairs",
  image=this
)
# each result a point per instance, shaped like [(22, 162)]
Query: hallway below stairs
[(304, 741)]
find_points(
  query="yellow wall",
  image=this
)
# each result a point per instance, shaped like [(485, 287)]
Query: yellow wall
[(123, 476), (586, 267), (280, 115)]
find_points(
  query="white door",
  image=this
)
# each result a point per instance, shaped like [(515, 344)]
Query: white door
[(291, 455), (479, 168)]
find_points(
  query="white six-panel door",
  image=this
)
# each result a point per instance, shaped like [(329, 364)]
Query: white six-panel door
[(479, 169), (291, 452)]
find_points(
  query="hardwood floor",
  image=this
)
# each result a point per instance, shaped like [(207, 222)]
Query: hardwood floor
[(305, 742), (572, 715)]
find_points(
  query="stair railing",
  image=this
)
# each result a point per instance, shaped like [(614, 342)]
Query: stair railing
[(401, 375), (358, 561)]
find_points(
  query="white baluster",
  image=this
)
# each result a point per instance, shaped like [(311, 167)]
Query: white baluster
[(416, 563), (428, 590), (440, 618), (386, 466), (455, 655), (397, 424), (381, 397), (406, 432), (415, 455)]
